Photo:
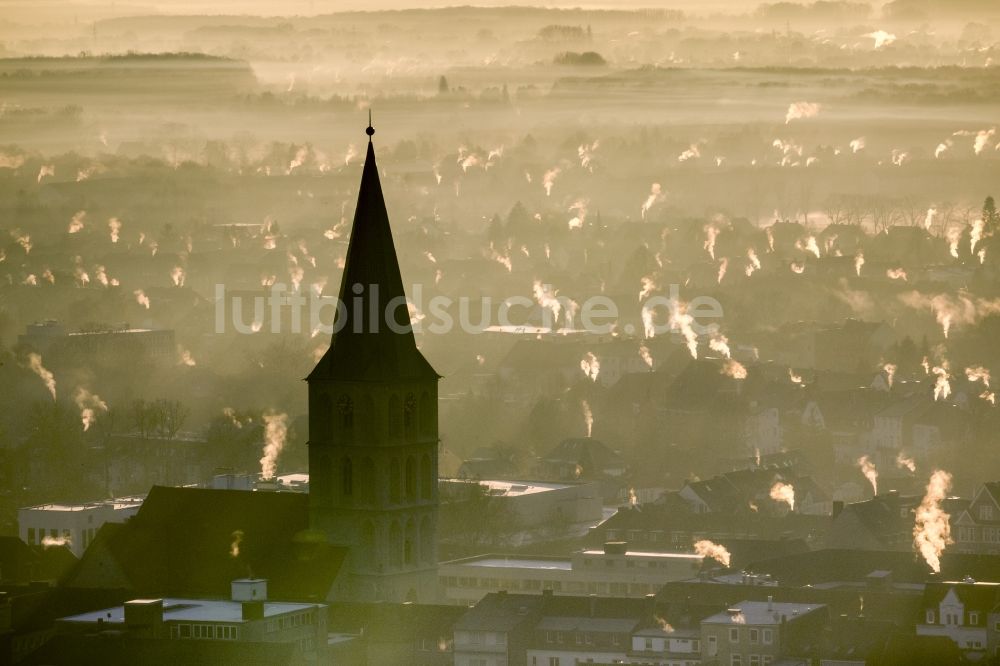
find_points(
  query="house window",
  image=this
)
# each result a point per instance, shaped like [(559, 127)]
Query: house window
[(754, 635), (986, 512), (973, 617), (31, 535), (736, 659), (649, 643), (767, 636), (755, 660), (930, 617), (553, 661), (734, 635), (766, 661)]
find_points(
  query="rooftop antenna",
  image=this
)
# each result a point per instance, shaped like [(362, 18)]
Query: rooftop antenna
[(371, 130)]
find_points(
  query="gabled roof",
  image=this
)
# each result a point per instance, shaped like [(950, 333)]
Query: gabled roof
[(849, 564), (974, 596), (365, 347), (993, 488), (21, 563), (886, 516), (179, 544), (499, 611), (591, 454)]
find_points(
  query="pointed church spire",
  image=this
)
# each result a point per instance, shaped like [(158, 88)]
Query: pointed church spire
[(372, 339)]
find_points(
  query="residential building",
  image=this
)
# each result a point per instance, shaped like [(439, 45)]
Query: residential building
[(977, 528), (498, 630), (663, 644), (960, 610), (884, 522), (581, 630), (755, 633)]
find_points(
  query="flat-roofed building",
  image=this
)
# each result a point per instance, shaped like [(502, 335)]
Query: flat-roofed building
[(612, 571), (72, 525), (245, 618), (51, 338), (532, 510)]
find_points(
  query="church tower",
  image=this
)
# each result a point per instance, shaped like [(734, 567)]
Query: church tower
[(373, 431)]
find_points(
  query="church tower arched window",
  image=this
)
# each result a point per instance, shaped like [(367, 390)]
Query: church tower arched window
[(347, 477), (411, 479), (395, 416), (345, 413), (410, 415)]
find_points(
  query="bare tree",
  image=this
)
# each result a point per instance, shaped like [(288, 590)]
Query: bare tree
[(836, 209), (169, 417), (913, 211), (141, 418)]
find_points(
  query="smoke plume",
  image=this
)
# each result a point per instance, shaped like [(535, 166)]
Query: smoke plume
[(868, 469), (932, 529), (783, 492), (275, 434), (88, 403), (800, 110), (707, 548), (35, 363)]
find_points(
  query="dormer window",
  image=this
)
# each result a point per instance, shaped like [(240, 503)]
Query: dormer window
[(930, 617), (973, 618)]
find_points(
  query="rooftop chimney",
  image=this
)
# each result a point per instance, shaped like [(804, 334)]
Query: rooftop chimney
[(838, 506), (249, 589)]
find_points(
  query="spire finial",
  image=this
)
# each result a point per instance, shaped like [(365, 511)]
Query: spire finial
[(370, 130)]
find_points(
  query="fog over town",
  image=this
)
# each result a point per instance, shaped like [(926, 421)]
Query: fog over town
[(404, 333)]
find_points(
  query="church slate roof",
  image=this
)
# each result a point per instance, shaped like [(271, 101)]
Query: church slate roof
[(365, 347), (179, 544)]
